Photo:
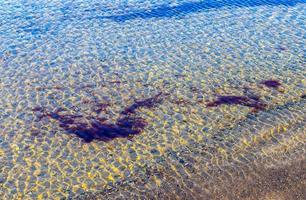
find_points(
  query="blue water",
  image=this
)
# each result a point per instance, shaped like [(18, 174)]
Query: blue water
[(69, 11), (215, 119), (186, 8)]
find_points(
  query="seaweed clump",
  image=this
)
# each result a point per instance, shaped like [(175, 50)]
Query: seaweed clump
[(253, 102), (146, 103), (271, 83), (95, 128)]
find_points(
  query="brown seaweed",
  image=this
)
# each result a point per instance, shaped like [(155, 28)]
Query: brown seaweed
[(146, 103), (271, 83), (99, 128), (238, 100)]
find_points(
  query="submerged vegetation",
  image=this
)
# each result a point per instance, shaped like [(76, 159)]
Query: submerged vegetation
[(271, 83), (249, 99), (129, 123), (96, 128), (238, 100), (146, 103)]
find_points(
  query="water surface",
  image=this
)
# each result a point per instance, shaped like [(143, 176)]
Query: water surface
[(152, 99)]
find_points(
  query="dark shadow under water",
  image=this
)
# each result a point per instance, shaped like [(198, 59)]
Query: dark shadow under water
[(167, 11), (75, 13)]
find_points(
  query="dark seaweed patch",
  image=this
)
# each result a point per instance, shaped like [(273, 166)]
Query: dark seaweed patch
[(146, 103), (271, 83), (99, 128), (238, 100)]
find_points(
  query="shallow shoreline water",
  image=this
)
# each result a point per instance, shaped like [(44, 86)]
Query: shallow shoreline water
[(152, 99)]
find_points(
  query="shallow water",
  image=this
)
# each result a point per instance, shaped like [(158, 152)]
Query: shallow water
[(152, 99)]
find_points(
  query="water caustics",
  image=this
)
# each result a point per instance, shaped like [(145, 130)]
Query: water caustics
[(157, 99)]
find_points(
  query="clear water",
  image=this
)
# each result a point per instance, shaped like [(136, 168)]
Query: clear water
[(216, 130)]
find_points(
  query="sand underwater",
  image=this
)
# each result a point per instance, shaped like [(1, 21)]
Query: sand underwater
[(154, 99)]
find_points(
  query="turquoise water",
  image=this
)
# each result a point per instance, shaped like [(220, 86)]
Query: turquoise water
[(152, 99)]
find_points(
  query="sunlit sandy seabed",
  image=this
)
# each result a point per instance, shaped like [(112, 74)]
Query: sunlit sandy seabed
[(152, 99)]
